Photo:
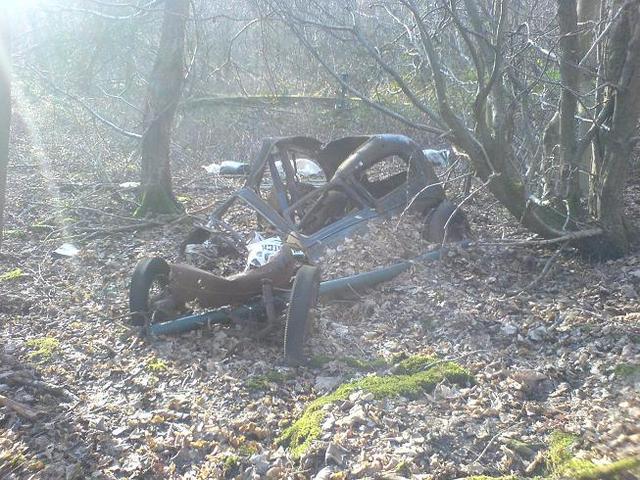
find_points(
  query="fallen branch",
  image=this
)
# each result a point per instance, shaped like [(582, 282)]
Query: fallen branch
[(569, 237), (97, 232), (19, 408), (545, 270), (84, 105)]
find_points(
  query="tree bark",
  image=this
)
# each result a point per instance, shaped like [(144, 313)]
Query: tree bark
[(623, 76), (165, 88), (569, 46), (5, 112)]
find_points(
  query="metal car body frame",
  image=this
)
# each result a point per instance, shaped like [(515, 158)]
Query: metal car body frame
[(307, 220)]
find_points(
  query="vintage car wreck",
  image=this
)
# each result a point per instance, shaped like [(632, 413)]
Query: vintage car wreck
[(365, 177), (359, 178)]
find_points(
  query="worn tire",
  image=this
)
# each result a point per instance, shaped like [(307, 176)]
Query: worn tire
[(304, 297), (435, 221), (146, 273)]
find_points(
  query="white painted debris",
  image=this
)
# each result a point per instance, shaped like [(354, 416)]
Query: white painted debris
[(304, 167), (67, 250), (129, 185), (440, 158), (261, 250), (227, 167)]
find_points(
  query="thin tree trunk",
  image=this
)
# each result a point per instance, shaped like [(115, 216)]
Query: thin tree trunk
[(5, 112), (569, 45), (165, 88)]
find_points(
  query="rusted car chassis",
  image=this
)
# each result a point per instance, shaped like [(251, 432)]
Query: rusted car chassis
[(361, 181), (312, 218)]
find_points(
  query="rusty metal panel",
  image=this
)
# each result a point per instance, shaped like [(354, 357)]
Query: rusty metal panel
[(188, 283)]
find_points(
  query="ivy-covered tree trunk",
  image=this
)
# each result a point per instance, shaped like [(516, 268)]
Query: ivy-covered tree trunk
[(165, 88), (5, 114)]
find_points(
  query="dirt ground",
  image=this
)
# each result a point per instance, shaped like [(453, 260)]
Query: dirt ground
[(553, 354)]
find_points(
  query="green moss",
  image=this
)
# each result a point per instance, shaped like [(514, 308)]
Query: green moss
[(156, 365), (41, 227), (365, 365), (320, 361), (43, 348), (157, 200), (14, 233), (230, 463), (362, 364), (248, 450), (12, 459), (415, 364), (627, 369), (485, 477), (560, 445), (300, 435), (586, 470), (263, 382), (403, 469), (561, 463), (11, 275)]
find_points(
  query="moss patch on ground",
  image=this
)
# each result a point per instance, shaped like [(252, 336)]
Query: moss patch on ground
[(561, 463), (627, 369), (156, 365), (43, 348), (264, 381), (361, 364), (415, 364), (300, 435), (11, 275)]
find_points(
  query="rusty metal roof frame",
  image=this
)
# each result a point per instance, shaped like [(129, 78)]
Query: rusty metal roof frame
[(344, 161)]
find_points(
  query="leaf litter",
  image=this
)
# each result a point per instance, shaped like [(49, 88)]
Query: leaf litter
[(562, 356)]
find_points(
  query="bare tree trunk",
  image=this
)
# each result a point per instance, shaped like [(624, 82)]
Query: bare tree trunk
[(569, 45), (5, 112), (165, 88), (588, 16), (622, 73)]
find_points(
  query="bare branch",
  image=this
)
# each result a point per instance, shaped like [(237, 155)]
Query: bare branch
[(84, 105)]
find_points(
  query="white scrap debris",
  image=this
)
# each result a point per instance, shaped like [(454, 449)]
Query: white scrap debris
[(67, 250), (129, 185), (227, 167), (213, 169), (439, 158), (261, 250), (304, 167)]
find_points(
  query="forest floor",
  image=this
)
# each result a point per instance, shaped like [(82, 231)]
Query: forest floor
[(543, 378)]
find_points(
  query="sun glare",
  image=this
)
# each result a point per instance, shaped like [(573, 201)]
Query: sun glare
[(18, 5)]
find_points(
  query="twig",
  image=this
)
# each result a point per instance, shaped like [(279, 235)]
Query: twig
[(464, 200), (569, 237), (203, 209), (545, 270), (493, 439), (19, 408), (84, 105)]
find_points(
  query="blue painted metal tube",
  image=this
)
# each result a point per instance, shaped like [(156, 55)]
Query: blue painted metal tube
[(360, 280), (379, 275), (191, 322)]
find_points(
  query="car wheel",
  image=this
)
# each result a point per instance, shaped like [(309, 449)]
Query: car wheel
[(304, 297), (150, 280)]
